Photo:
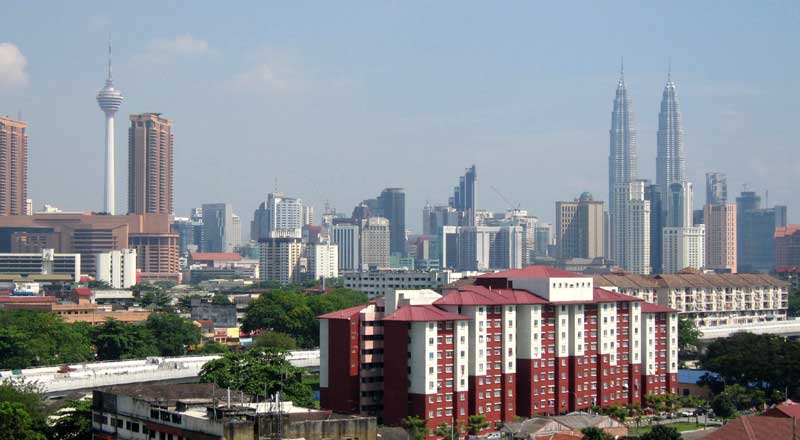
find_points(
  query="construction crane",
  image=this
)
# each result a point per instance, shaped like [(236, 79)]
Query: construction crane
[(505, 199)]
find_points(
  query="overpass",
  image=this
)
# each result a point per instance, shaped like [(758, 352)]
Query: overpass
[(789, 328), (67, 378)]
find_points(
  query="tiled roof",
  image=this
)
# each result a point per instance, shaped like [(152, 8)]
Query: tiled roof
[(83, 291), (480, 295), (788, 230), (533, 272), (655, 308), (28, 299), (789, 409), (718, 280), (627, 281), (424, 313), (215, 256), (755, 428), (343, 314)]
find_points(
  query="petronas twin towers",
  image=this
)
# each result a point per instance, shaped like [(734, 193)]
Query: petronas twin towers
[(629, 193)]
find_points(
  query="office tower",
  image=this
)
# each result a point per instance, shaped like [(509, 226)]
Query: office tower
[(434, 217), (278, 216), (653, 195), (580, 228), (392, 206), (280, 260), (684, 247), (698, 217), (622, 157), (520, 217), (716, 188), (464, 197), (670, 158), (720, 222), (156, 255), (632, 234), (236, 231), (187, 231), (117, 268), (755, 237), (347, 236), (482, 248), (678, 205), (543, 240), (375, 242), (150, 164), (217, 227), (323, 260), (13, 166), (308, 215), (787, 246), (109, 100)]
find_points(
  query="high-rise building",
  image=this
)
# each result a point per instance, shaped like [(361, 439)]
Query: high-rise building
[(787, 246), (347, 236), (280, 260), (482, 248), (720, 222), (755, 237), (622, 158), (156, 255), (150, 164), (653, 195), (580, 228), (375, 238), (236, 231), (308, 215), (109, 100), (543, 240), (117, 268), (217, 227), (464, 197), (678, 205), (716, 188), (670, 158), (13, 167), (392, 206), (323, 260), (279, 216), (632, 234), (190, 234), (684, 247)]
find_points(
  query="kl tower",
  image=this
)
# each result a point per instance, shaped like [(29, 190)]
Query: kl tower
[(109, 100)]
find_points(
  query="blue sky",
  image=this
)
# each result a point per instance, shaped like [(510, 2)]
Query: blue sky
[(337, 100)]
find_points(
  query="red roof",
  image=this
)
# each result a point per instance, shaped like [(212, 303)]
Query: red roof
[(425, 313), (788, 230), (343, 314), (480, 295), (786, 409), (215, 256), (83, 291), (28, 299), (655, 308), (755, 428), (788, 269), (534, 272)]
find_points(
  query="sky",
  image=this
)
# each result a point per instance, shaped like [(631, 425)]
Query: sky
[(333, 101)]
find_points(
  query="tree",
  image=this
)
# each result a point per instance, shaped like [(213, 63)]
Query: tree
[(476, 423), (662, 432), (30, 397), (29, 339), (688, 334), (74, 422), (211, 347), (97, 284), (172, 333), (277, 340), (723, 406), (594, 433), (256, 371), (116, 340), (220, 299), (447, 433), (16, 423), (794, 302), (156, 299), (415, 427)]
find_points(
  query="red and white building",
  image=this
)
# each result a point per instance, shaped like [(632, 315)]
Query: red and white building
[(521, 342)]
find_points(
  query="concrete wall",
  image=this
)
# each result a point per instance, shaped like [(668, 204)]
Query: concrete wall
[(355, 428)]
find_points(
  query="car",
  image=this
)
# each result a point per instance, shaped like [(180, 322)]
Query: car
[(494, 436), (699, 411), (687, 414)]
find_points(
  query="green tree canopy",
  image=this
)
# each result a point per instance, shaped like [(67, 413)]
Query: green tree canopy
[(220, 299), (594, 433), (723, 406), (172, 333), (662, 432), (278, 340), (256, 371), (116, 340), (16, 423), (688, 334), (794, 302), (415, 427), (448, 432), (30, 397), (476, 423), (29, 339), (73, 422), (211, 347)]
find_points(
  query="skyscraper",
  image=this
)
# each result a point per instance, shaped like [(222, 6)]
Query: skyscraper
[(720, 222), (217, 227), (392, 206), (464, 197), (678, 204), (347, 236), (580, 228), (755, 235), (633, 227), (375, 242), (622, 157), (279, 216), (109, 100), (684, 247), (653, 195), (150, 164), (670, 158), (716, 188), (13, 167)]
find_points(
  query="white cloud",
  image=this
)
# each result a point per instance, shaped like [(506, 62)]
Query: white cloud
[(12, 66), (269, 77), (165, 50)]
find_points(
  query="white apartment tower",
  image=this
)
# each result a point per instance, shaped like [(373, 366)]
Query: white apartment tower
[(684, 247), (117, 268), (632, 236), (323, 260)]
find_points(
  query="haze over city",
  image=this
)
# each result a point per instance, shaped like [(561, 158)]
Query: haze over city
[(334, 102)]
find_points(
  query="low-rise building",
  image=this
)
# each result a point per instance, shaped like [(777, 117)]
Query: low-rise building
[(46, 262), (377, 283)]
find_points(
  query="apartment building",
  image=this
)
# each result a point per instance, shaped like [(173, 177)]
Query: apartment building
[(377, 283), (710, 300), (523, 342)]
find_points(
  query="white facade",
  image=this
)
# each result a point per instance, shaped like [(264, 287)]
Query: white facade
[(377, 283), (683, 247), (46, 262), (632, 228), (323, 261), (375, 243), (236, 230), (280, 260), (348, 237), (285, 216), (117, 268)]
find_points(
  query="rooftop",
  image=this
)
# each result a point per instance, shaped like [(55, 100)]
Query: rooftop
[(755, 428), (215, 256), (425, 313), (480, 295), (533, 272)]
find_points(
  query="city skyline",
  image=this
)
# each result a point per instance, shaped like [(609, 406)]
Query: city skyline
[(474, 135)]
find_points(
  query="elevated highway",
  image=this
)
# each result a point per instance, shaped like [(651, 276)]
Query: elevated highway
[(789, 328)]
